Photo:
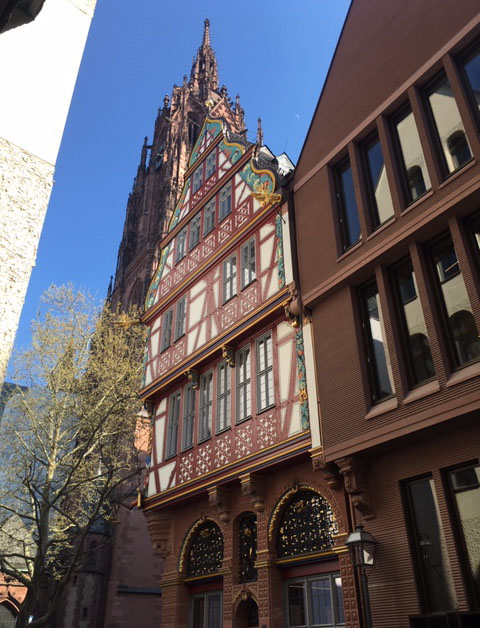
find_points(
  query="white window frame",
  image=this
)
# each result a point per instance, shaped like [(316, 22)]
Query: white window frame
[(226, 194), (248, 263), (264, 365), (243, 368), (205, 408), (188, 416), (180, 315), (229, 278), (224, 396), (172, 425)]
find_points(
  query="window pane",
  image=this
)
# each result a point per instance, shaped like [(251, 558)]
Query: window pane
[(465, 484), (242, 362), (296, 604), (225, 201), (415, 168), (451, 133), (223, 396), (348, 206), (430, 544), (214, 616), (322, 607), (210, 164), (209, 217), (339, 600), (377, 176), (378, 358), (198, 612), (463, 332), (418, 346), (194, 232), (205, 427), (472, 70)]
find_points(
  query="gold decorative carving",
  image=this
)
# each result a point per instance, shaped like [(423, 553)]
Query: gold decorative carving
[(186, 542), (292, 319), (228, 355), (355, 478), (281, 502), (264, 196), (193, 377)]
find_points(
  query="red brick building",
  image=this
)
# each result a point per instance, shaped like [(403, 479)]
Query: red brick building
[(387, 195)]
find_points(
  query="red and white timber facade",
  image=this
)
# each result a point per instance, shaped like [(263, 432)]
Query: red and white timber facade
[(227, 385)]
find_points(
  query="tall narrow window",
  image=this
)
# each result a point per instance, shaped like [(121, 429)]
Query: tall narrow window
[(462, 330), (380, 197), (414, 168), (229, 278), (265, 396), (166, 330), (210, 164), (433, 570), (180, 318), (347, 205), (448, 124), (205, 409), (172, 425), (242, 363), (207, 610), (247, 547), (197, 178), (188, 416), (419, 357), (465, 488), (194, 232), (315, 602), (181, 240), (225, 201), (224, 410), (247, 255), (377, 353), (471, 66), (209, 217)]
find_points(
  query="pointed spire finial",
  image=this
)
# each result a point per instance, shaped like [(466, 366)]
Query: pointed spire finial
[(260, 132), (206, 34)]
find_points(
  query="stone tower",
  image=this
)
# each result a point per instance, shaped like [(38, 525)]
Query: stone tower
[(162, 166)]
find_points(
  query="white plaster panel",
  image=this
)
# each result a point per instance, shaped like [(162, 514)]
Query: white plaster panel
[(256, 205), (149, 374), (287, 251), (152, 489), (284, 369), (197, 288), (267, 230), (162, 406), (165, 474), (266, 250), (283, 412), (242, 191), (195, 309), (272, 286), (39, 77), (156, 344), (214, 329), (283, 330), (191, 341), (202, 336), (313, 406), (295, 422), (159, 436)]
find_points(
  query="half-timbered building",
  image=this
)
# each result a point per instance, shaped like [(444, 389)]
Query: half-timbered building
[(232, 502)]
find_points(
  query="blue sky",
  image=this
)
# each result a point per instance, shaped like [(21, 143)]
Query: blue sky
[(274, 53)]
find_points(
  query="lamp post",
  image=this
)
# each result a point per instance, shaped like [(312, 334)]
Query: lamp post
[(362, 546)]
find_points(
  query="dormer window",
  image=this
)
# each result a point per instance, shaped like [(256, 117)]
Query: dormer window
[(197, 178), (210, 165)]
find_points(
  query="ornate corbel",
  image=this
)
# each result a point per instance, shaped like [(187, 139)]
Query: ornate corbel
[(292, 320), (355, 477), (219, 496), (192, 376), (327, 469), (228, 354), (159, 526), (253, 486)]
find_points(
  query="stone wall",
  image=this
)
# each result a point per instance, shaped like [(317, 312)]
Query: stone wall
[(25, 185)]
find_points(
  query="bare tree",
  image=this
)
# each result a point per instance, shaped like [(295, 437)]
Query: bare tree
[(66, 441)]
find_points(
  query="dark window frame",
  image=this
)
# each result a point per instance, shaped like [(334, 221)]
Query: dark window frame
[(462, 59), (366, 145), (347, 240)]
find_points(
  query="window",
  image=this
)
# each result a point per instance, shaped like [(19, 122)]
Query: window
[(464, 485), (223, 396), (471, 66), (377, 355), (316, 601), (247, 547), (229, 278), (225, 201), (380, 198), (210, 164), (462, 331), (242, 361), (172, 424), (247, 256), (473, 227), (419, 357), (347, 205), (197, 178), (207, 610), (188, 416), (414, 168), (205, 409), (448, 125), (432, 567), (167, 329), (209, 217), (206, 550), (180, 318), (181, 240), (265, 395), (194, 232)]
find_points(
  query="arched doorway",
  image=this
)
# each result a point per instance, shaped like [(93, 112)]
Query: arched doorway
[(246, 615)]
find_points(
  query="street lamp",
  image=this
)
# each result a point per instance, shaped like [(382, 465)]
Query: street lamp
[(362, 546)]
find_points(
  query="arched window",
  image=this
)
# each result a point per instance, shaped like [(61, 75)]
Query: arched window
[(459, 149), (307, 525), (247, 546), (206, 551), (7, 618)]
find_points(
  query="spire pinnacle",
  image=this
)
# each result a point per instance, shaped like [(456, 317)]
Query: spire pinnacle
[(206, 34)]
